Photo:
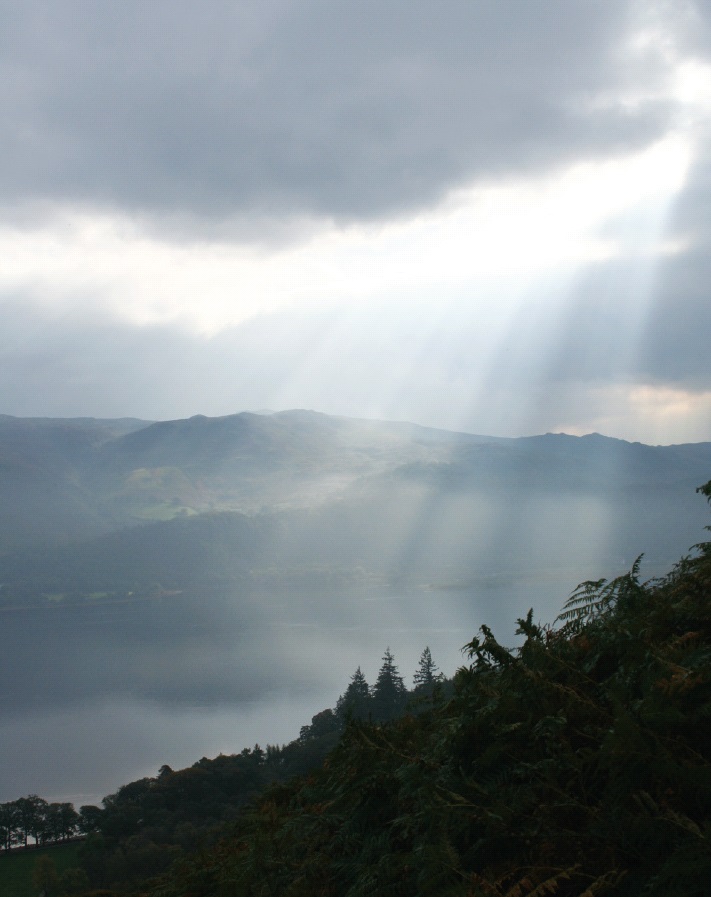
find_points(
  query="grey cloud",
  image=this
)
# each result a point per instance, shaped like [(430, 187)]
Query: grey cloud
[(316, 107), (83, 359)]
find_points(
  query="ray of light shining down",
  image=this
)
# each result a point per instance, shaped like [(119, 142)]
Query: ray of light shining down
[(630, 197), (560, 224), (588, 201), (475, 269), (642, 188), (649, 411)]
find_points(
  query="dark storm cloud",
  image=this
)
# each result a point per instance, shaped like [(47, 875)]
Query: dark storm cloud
[(336, 108)]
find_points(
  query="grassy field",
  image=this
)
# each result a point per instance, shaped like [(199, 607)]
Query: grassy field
[(16, 867)]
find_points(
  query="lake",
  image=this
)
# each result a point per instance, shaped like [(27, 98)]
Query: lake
[(100, 694)]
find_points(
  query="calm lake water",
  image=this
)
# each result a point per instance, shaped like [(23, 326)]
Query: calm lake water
[(96, 696)]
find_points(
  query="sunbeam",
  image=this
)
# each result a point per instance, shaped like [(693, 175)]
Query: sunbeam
[(328, 327)]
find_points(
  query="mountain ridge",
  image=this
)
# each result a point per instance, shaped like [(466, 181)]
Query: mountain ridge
[(301, 490)]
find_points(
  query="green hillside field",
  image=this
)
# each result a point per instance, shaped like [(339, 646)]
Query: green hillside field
[(16, 867)]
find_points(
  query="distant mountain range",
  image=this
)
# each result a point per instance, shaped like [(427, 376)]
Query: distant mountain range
[(110, 508)]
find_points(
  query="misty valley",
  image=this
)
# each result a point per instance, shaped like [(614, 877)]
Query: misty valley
[(449, 634), (187, 589)]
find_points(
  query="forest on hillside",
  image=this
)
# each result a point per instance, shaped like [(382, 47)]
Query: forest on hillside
[(577, 764)]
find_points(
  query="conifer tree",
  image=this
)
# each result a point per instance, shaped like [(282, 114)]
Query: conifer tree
[(389, 693), (427, 673), (354, 703)]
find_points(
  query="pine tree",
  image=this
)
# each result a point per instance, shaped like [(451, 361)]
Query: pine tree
[(355, 702), (427, 673), (389, 693)]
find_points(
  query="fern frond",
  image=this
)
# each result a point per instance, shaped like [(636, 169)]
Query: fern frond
[(592, 598), (602, 883), (585, 602), (550, 885), (482, 886)]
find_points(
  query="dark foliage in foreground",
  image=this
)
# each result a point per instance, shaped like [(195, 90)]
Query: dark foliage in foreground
[(148, 824), (577, 765), (142, 829)]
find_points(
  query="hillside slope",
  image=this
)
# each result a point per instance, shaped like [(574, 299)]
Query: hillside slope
[(577, 765)]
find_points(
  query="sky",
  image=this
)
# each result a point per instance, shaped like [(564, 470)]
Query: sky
[(491, 217)]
